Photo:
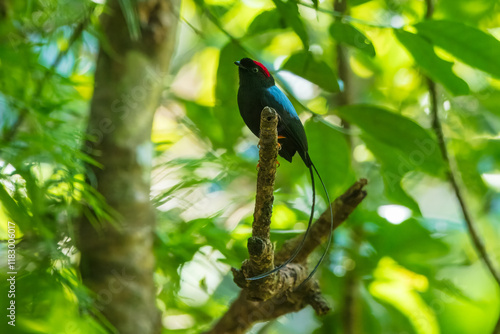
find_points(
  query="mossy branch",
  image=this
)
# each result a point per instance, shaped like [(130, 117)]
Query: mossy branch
[(277, 294), (260, 247)]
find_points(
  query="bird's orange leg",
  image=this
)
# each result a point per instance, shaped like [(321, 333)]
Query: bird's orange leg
[(279, 145), (258, 165), (279, 148)]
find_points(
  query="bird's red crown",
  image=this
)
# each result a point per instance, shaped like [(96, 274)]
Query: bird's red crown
[(266, 72)]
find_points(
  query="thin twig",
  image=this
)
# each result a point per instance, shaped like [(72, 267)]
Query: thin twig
[(471, 225), (452, 176)]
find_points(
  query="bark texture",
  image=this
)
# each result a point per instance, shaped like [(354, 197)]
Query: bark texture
[(260, 248), (117, 260)]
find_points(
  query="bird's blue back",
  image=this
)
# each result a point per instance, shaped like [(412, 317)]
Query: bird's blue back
[(290, 124)]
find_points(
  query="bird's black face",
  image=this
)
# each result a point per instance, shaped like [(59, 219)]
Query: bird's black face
[(254, 73)]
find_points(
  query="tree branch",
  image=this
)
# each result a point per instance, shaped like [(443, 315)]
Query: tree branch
[(259, 245), (471, 226), (276, 295), (260, 248), (342, 207), (243, 313), (451, 174)]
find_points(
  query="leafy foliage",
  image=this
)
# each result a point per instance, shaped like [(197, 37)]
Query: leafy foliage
[(468, 44), (303, 64), (436, 68), (397, 132), (346, 33), (404, 252)]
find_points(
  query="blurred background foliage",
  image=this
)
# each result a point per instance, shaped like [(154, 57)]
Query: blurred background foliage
[(403, 263)]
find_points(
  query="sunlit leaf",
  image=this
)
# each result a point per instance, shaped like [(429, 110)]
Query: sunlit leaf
[(490, 99), (330, 153), (16, 213), (419, 149), (317, 71), (346, 33), (470, 45), (399, 287), (266, 21), (394, 166), (290, 13), (436, 68)]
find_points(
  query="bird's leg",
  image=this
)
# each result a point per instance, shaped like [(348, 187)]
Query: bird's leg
[(279, 145), (279, 148), (277, 165)]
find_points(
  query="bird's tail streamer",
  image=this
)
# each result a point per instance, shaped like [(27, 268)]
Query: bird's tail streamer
[(306, 233), (329, 235)]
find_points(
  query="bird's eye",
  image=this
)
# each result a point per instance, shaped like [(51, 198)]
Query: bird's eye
[(255, 70)]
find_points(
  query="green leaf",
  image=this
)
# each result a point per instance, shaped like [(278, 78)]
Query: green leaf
[(132, 19), (290, 13), (347, 34), (318, 72), (470, 45), (417, 148), (394, 166), (434, 67), (266, 21), (13, 209), (393, 240), (490, 99), (354, 3), (330, 153)]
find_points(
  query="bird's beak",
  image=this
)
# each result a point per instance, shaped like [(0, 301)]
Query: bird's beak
[(237, 63)]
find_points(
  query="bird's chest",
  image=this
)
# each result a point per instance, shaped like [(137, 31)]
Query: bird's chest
[(250, 105)]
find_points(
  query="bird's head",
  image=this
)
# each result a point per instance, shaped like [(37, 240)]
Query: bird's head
[(254, 73)]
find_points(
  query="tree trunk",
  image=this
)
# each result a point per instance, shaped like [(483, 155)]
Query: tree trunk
[(117, 261)]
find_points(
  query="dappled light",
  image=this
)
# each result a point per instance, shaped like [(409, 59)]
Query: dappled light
[(128, 177)]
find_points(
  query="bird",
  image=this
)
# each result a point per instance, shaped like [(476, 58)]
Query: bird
[(257, 89)]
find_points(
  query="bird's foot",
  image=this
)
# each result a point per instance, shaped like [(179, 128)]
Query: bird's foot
[(279, 145), (258, 165)]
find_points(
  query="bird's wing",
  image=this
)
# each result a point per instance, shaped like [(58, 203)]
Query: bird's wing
[(275, 98)]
